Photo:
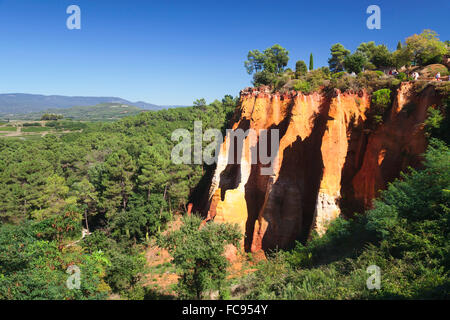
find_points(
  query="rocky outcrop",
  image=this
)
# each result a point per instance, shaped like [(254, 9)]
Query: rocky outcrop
[(327, 162)]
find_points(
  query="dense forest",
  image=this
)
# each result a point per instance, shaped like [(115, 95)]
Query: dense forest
[(96, 198), (115, 180)]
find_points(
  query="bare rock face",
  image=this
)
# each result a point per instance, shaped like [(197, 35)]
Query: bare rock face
[(326, 160)]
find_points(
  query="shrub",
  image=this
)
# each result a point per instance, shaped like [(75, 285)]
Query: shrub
[(312, 81), (302, 86), (51, 116), (264, 78), (300, 68), (31, 124), (317, 77), (338, 75), (382, 97), (437, 124), (402, 76)]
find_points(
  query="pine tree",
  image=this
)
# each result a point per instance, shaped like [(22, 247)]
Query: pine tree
[(117, 182), (399, 45), (300, 68), (152, 176), (338, 55), (87, 196), (311, 62)]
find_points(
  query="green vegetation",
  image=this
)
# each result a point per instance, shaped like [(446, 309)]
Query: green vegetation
[(93, 195), (300, 68), (338, 56), (101, 112), (204, 268), (114, 179), (268, 67), (406, 235), (381, 101), (66, 125), (200, 103), (382, 98), (31, 124), (424, 49), (8, 128), (34, 259), (302, 86), (34, 129), (355, 62), (51, 116), (437, 123)]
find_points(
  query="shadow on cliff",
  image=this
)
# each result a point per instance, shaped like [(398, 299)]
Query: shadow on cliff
[(199, 195), (231, 176), (290, 205), (353, 162)]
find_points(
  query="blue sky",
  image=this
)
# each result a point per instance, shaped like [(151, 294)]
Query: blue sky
[(172, 52)]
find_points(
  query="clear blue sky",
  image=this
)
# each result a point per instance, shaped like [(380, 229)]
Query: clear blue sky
[(172, 52)]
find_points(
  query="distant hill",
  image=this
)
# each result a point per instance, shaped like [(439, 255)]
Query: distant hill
[(19, 103), (100, 112)]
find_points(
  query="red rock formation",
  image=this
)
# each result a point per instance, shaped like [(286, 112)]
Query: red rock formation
[(326, 157)]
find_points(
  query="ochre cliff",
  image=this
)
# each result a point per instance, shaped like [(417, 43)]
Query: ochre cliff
[(328, 162)]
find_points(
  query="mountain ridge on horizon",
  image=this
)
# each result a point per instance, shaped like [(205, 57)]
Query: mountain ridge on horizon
[(14, 103)]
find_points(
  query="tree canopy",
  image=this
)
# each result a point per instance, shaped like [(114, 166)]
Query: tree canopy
[(338, 56)]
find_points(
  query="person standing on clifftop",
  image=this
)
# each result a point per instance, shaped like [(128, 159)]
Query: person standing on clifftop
[(438, 76)]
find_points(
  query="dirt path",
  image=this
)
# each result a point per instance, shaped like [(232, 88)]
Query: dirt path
[(162, 275)]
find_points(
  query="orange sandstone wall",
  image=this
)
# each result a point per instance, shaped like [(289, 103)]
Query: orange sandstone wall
[(326, 158)]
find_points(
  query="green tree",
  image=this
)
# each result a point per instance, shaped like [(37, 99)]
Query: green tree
[(152, 175), (255, 61), (382, 57), (268, 65), (355, 62), (197, 252), (379, 56), (264, 78), (311, 62), (142, 219), (199, 103), (399, 45), (367, 48), (425, 48), (54, 198), (87, 197), (117, 181), (300, 68), (401, 58), (338, 55), (276, 59)]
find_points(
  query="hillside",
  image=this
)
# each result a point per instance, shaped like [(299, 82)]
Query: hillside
[(100, 112), (16, 103)]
